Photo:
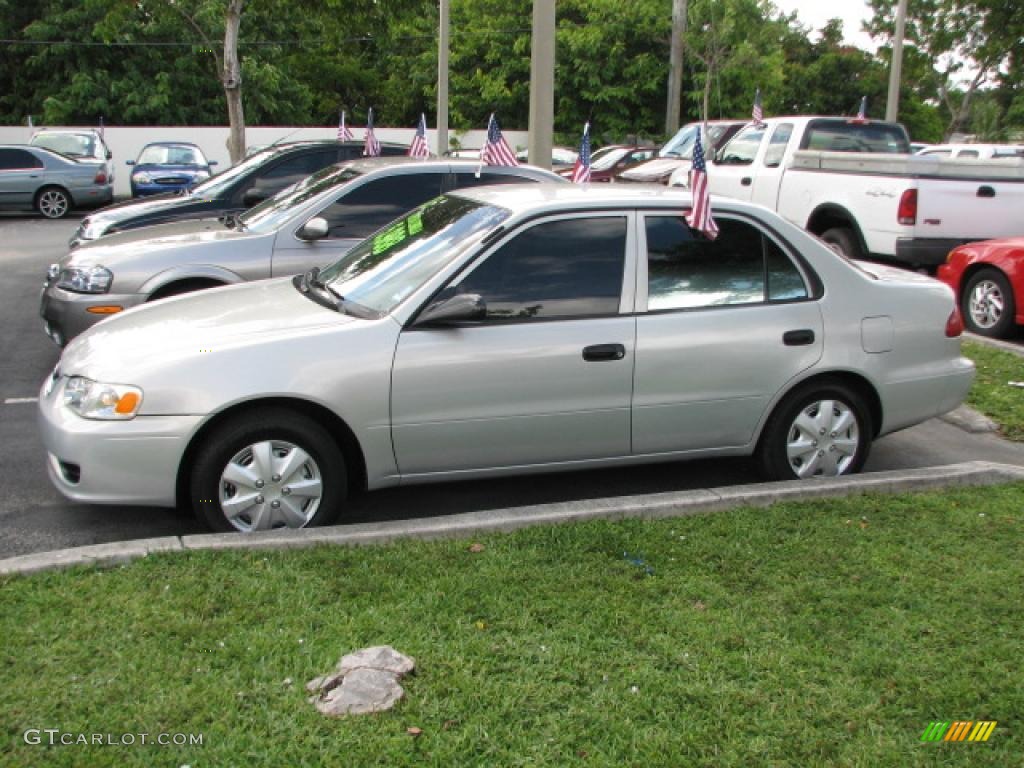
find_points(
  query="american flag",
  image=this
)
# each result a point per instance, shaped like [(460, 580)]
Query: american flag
[(372, 147), (419, 148), (700, 217), (757, 115), (581, 169), (496, 150), (344, 132), (862, 111)]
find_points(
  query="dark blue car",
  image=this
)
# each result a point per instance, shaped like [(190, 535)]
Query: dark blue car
[(168, 166)]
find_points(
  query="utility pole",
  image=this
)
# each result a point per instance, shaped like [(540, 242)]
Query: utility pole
[(675, 66), (442, 82), (542, 83), (892, 103)]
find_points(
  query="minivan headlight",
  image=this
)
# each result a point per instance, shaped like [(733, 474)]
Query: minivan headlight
[(96, 400), (85, 279)]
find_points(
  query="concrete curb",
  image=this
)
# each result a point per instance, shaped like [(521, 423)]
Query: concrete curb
[(969, 420), (674, 504)]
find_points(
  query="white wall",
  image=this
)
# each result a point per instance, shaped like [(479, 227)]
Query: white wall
[(126, 142)]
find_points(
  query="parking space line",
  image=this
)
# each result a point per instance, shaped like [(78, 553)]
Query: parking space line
[(20, 400)]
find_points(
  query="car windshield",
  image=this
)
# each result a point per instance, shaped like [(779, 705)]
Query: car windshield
[(386, 268), (273, 213), (608, 159), (70, 144), (171, 154), (216, 186), (681, 145)]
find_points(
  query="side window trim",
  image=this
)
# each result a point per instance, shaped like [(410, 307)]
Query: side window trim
[(627, 299), (641, 307)]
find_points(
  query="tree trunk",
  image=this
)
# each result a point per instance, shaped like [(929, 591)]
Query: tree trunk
[(232, 81)]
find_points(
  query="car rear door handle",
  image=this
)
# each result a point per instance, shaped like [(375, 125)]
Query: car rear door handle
[(746, 181), (600, 352), (799, 338), (986, 191)]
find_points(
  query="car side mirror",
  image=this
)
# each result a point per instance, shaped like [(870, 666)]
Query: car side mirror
[(252, 196), (127, 162), (314, 229), (461, 308)]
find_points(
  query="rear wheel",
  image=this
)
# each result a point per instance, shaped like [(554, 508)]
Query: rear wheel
[(822, 429), (268, 469), (843, 241), (987, 304), (53, 202)]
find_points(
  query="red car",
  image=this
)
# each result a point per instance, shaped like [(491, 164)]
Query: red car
[(608, 162), (988, 279)]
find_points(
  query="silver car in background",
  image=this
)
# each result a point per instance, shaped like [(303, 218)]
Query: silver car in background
[(309, 224), (496, 331), (32, 178)]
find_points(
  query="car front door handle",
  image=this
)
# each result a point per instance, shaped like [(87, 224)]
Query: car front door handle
[(799, 338), (746, 181), (600, 352)]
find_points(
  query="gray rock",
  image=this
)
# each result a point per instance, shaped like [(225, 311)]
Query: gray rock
[(379, 657), (363, 682), (361, 692)]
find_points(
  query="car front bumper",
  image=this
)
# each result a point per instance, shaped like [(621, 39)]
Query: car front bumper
[(66, 314), (112, 462)]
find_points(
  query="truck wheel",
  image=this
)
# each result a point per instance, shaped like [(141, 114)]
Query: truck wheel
[(268, 469), (821, 429), (842, 241), (987, 304), (53, 202)]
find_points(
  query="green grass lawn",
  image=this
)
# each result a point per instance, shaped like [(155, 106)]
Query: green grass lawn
[(991, 394), (824, 633)]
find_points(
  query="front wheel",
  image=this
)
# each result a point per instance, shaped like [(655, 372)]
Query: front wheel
[(820, 430), (987, 304), (268, 469)]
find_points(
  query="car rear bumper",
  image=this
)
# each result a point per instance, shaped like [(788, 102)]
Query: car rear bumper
[(66, 314), (926, 251), (112, 462), (93, 197)]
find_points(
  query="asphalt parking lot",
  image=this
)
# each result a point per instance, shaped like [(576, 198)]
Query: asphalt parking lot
[(34, 517)]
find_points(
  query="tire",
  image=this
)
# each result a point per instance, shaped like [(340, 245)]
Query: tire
[(801, 441), (233, 486), (987, 304), (843, 241), (181, 288), (53, 202)]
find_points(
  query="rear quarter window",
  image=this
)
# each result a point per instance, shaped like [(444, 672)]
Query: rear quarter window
[(849, 136)]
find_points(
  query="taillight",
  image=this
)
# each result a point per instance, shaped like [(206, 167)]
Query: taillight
[(907, 212), (101, 177), (955, 324)]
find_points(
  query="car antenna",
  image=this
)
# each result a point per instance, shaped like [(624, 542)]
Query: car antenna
[(286, 136)]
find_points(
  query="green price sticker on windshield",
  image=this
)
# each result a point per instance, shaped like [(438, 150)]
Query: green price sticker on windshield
[(398, 233)]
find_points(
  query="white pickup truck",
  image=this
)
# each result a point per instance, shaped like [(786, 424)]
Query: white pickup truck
[(855, 185)]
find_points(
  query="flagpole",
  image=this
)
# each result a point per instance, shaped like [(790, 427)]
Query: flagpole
[(442, 81)]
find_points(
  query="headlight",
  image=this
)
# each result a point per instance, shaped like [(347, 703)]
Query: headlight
[(202, 175), (95, 400), (142, 178), (85, 279)]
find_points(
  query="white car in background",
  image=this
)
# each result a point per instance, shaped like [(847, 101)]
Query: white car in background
[(503, 330)]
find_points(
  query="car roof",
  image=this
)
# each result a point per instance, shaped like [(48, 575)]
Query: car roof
[(170, 144), (529, 198), (406, 164)]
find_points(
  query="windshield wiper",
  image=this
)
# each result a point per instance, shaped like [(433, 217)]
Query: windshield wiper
[(231, 220), (310, 284)]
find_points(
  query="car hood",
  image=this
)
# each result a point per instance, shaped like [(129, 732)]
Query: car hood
[(138, 344), (189, 237), (655, 170), (158, 169), (111, 215)]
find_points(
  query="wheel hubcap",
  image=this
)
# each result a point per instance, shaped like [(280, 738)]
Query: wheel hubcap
[(270, 484), (53, 204), (823, 439), (986, 304)]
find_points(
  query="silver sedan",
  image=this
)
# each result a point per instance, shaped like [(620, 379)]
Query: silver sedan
[(33, 178), (309, 224), (497, 331)]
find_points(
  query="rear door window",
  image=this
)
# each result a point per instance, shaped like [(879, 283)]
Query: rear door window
[(370, 206)]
